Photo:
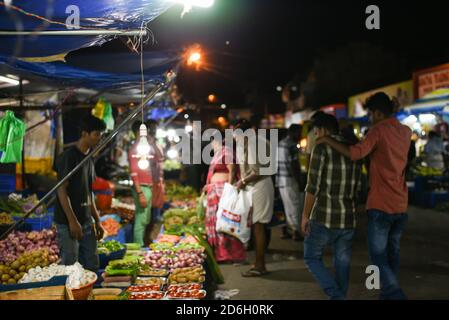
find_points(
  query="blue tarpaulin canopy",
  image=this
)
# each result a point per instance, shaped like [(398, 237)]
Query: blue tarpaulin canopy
[(99, 78), (161, 109), (94, 14)]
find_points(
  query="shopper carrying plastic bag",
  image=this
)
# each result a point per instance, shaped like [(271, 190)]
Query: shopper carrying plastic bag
[(234, 212)]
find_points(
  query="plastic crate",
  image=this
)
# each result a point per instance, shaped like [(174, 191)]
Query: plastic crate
[(106, 258), (119, 237), (431, 199), (55, 281), (36, 224), (7, 183)]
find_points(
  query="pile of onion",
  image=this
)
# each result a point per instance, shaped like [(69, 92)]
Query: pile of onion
[(18, 243)]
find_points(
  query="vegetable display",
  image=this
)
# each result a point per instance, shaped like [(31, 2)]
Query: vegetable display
[(146, 270), (188, 258), (187, 275), (154, 295), (123, 267), (132, 246), (187, 294), (159, 259), (5, 218), (124, 210), (18, 243), (111, 227), (184, 287), (15, 271), (78, 277), (175, 191), (166, 238), (171, 165), (188, 246), (150, 281), (17, 205), (110, 246), (144, 288), (175, 219)]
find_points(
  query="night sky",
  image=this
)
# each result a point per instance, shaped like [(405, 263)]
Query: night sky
[(272, 41)]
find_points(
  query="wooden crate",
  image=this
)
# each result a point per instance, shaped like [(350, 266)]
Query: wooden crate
[(44, 293)]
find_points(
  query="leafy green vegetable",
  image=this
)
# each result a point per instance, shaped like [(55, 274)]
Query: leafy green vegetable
[(110, 246), (212, 264), (161, 246), (132, 246)]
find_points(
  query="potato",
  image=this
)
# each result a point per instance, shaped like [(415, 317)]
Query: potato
[(182, 280)]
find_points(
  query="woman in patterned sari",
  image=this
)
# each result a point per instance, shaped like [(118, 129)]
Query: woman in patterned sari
[(227, 249)]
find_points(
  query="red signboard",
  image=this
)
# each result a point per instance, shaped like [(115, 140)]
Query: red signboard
[(429, 80)]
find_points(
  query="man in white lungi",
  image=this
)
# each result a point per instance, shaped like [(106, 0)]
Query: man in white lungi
[(262, 192)]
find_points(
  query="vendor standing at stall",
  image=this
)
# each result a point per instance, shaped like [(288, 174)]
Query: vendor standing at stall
[(157, 174), (434, 151), (142, 190), (76, 217)]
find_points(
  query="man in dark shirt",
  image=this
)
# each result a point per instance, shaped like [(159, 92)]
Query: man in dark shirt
[(76, 217), (333, 185)]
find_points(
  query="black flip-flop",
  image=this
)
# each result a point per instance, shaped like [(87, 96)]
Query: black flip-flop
[(254, 273)]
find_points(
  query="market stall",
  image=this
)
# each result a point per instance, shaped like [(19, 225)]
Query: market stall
[(429, 186)]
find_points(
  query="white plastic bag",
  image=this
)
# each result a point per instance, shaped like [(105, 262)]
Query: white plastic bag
[(233, 211)]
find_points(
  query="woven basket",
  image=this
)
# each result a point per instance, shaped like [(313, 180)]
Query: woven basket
[(82, 293)]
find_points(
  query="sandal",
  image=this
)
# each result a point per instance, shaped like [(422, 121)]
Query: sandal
[(254, 273)]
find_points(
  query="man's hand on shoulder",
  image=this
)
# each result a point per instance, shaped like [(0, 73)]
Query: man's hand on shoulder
[(322, 140)]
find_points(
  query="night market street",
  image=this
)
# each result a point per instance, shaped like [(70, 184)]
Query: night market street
[(424, 265), (225, 150)]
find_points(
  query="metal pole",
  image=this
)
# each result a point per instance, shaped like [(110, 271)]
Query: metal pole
[(100, 146), (130, 33), (23, 147)]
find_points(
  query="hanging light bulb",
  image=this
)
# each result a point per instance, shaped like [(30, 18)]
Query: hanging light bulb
[(143, 163), (143, 148)]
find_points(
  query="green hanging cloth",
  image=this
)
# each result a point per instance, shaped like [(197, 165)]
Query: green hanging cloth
[(12, 133), (4, 129), (107, 117), (103, 111)]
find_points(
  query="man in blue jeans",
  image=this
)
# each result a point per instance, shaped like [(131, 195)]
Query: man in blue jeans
[(387, 143), (328, 218), (76, 217)]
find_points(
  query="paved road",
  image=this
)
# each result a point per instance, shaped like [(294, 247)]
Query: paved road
[(424, 265)]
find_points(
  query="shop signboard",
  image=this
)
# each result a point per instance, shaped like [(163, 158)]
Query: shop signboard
[(428, 80), (402, 91), (338, 110)]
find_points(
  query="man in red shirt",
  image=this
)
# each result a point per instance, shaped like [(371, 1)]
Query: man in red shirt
[(387, 144)]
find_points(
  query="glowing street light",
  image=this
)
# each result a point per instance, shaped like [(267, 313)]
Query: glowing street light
[(211, 98), (223, 106), (195, 57)]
